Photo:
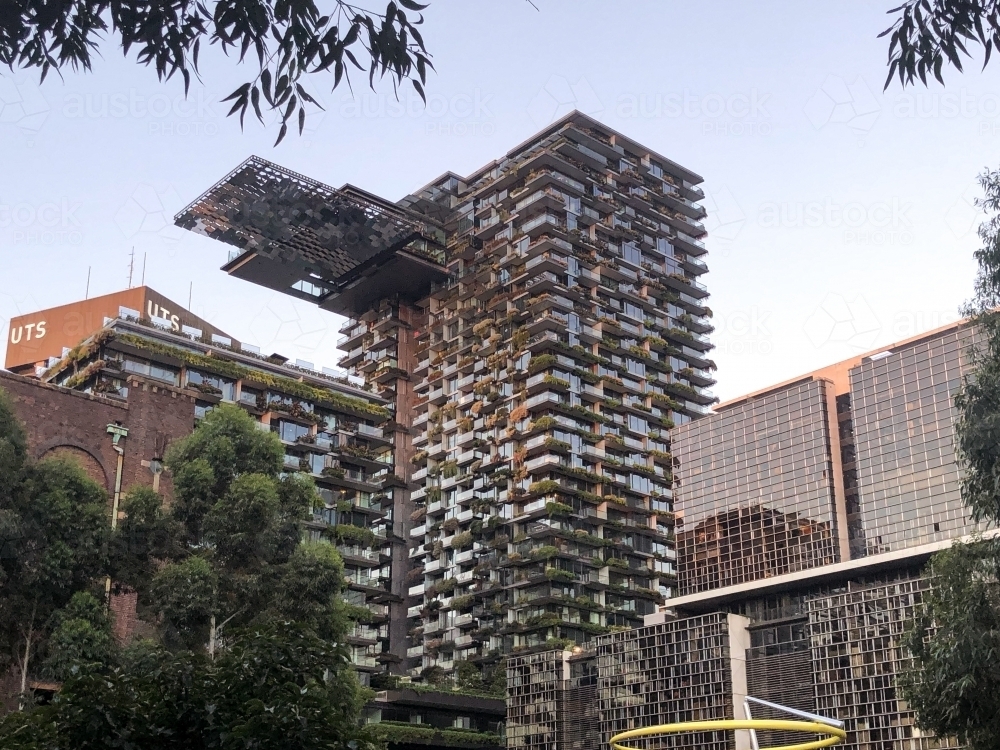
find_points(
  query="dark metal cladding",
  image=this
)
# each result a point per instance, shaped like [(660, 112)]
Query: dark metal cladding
[(312, 241)]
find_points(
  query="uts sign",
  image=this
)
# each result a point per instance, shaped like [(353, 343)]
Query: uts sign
[(27, 331), (38, 336), (153, 310)]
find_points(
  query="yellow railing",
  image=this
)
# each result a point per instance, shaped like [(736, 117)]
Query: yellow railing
[(833, 734)]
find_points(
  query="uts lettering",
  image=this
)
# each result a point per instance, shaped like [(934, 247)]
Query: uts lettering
[(155, 311), (27, 332)]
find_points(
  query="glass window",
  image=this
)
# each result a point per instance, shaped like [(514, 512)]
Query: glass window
[(212, 384), (631, 254), (291, 431), (248, 396), (166, 374), (137, 366)]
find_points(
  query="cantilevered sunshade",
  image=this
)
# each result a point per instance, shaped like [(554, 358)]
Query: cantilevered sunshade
[(337, 248)]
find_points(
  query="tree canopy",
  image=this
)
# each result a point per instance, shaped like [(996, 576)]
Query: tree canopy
[(291, 41), (978, 428), (927, 34), (955, 641), (248, 622), (278, 687), (54, 532), (240, 559)]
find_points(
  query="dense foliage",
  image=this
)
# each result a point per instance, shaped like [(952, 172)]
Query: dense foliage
[(978, 429), (249, 626), (954, 685), (54, 533), (955, 642), (279, 687), (241, 560)]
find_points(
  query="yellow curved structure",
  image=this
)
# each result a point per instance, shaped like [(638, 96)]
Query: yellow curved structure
[(833, 734)]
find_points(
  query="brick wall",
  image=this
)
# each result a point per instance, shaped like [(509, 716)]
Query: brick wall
[(63, 422), (66, 422)]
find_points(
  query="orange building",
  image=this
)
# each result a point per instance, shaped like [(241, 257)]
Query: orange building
[(35, 337)]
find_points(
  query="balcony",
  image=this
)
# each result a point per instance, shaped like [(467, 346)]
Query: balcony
[(369, 431), (365, 632)]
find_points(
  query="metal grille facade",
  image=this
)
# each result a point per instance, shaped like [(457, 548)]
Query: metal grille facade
[(534, 685), (856, 653), (671, 672)]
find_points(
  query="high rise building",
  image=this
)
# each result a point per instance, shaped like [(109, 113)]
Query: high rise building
[(850, 462), (537, 327), (804, 513)]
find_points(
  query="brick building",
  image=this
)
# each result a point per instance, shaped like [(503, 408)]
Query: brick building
[(140, 378), (62, 421)]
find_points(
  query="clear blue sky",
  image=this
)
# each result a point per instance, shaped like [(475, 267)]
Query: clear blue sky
[(841, 217)]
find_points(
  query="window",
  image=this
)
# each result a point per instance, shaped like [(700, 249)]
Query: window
[(633, 311), (213, 383), (249, 397), (631, 254), (636, 368), (307, 287), (137, 366), (291, 431), (163, 373), (635, 424), (316, 462), (639, 483)]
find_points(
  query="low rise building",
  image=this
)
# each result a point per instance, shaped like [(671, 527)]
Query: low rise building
[(37, 339)]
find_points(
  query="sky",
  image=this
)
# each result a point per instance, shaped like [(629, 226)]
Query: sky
[(841, 217)]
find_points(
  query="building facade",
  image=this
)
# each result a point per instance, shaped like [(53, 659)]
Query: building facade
[(686, 669), (538, 327), (156, 383), (39, 339), (851, 461), (805, 513), (768, 465)]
